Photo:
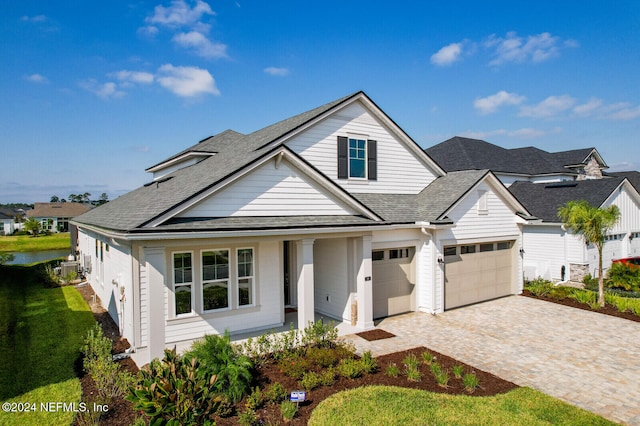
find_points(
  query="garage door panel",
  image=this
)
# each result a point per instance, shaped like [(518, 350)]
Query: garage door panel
[(479, 276), (393, 285)]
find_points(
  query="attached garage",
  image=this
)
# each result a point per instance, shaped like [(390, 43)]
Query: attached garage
[(393, 281), (634, 245), (478, 272), (612, 248)]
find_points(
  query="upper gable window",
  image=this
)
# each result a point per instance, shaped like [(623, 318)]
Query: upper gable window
[(483, 204), (357, 158)]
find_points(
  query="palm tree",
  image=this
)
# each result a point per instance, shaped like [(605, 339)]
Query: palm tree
[(33, 225), (592, 223)]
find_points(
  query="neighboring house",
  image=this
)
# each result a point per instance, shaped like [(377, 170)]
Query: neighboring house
[(55, 217), (334, 211), (7, 222), (543, 182), (519, 164)]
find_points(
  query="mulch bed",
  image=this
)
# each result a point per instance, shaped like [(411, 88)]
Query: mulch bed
[(121, 412), (375, 334), (607, 310), (489, 385)]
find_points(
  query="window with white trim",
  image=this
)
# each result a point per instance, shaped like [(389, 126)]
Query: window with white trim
[(357, 158), (245, 276), (183, 282), (483, 205), (215, 279)]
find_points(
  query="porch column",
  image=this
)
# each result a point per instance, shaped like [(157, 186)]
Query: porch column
[(304, 259), (156, 272), (364, 283)]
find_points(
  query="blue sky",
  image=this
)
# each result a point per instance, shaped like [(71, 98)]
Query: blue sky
[(92, 93)]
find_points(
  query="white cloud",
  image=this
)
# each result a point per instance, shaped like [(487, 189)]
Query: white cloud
[(186, 81), (447, 55), (36, 19), (140, 77), (103, 90), (179, 13), (552, 106), (588, 108), (276, 71), (524, 133), (36, 78), (625, 113), (490, 104), (201, 45), (148, 31), (536, 48)]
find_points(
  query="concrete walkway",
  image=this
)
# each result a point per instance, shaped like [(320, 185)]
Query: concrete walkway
[(587, 359)]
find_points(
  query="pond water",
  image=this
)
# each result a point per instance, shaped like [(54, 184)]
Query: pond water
[(37, 256)]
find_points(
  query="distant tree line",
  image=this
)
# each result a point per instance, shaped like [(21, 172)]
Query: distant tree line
[(82, 198)]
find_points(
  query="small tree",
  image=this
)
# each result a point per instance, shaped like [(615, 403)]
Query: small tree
[(33, 225), (592, 223)]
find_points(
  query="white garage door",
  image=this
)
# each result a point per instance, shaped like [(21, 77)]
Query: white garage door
[(477, 272), (393, 281), (612, 249), (634, 245)]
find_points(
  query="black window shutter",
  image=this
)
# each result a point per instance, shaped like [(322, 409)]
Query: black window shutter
[(343, 157), (372, 160)]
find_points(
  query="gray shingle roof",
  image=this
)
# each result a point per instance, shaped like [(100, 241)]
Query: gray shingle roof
[(233, 152), (460, 153), (430, 204), (633, 176), (544, 200)]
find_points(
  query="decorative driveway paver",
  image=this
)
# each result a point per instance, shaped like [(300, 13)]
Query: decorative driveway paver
[(587, 359)]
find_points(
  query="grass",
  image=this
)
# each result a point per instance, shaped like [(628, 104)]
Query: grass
[(41, 331), (24, 243), (390, 405)]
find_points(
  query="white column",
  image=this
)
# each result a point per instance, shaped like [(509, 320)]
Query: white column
[(364, 283), (156, 273), (304, 259)]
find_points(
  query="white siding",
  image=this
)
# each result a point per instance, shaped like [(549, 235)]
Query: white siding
[(268, 310), (109, 276), (144, 308), (269, 191), (331, 280), (470, 224), (629, 212), (544, 252), (399, 171)]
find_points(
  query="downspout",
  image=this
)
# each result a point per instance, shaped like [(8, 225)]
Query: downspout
[(433, 271)]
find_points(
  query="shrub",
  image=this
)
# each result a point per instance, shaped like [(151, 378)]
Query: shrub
[(368, 362), (217, 356), (6, 258), (392, 370), (295, 366), (320, 334), (328, 376), (458, 370), (410, 361), (288, 410), (176, 390), (589, 281), (248, 418), (256, 399), (350, 368), (442, 378), (470, 382), (435, 369), (323, 357), (539, 286), (276, 393), (413, 374), (427, 357), (98, 363), (583, 296), (623, 276), (310, 380)]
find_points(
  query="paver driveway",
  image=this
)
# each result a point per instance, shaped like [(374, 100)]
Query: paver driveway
[(587, 359)]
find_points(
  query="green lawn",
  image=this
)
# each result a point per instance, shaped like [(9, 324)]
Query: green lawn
[(41, 331), (383, 405), (22, 243)]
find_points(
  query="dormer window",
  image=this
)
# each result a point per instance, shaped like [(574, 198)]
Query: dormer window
[(357, 158)]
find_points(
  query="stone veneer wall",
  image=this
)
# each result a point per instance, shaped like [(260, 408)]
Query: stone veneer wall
[(577, 271)]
